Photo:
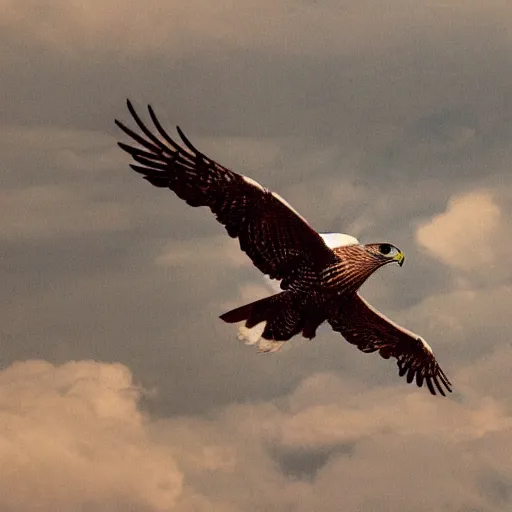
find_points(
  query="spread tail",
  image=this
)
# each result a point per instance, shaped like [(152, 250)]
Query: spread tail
[(281, 316), (255, 312)]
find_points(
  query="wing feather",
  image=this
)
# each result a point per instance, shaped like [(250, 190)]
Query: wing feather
[(278, 240), (363, 326)]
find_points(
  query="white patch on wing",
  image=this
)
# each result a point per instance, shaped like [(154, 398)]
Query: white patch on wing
[(289, 206), (252, 336), (254, 183), (333, 240), (269, 345)]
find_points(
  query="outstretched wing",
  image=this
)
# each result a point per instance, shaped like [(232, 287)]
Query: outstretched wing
[(278, 240), (363, 326)]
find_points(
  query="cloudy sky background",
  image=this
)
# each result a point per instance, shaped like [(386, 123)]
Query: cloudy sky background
[(120, 389)]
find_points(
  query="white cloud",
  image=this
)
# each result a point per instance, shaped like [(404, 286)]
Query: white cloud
[(75, 436), (318, 449), (463, 236), (72, 438)]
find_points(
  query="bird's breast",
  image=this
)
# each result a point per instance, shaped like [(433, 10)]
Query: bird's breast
[(345, 276)]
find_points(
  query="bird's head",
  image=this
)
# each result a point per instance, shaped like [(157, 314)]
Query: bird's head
[(386, 253)]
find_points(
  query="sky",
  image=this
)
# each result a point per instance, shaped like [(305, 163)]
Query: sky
[(120, 388)]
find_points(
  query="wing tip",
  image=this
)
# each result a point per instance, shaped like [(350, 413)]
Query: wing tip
[(119, 124), (186, 141), (129, 104), (436, 381), (440, 387)]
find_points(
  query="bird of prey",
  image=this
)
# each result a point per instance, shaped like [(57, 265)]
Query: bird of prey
[(319, 275)]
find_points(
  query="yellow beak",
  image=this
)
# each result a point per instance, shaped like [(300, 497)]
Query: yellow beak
[(399, 258)]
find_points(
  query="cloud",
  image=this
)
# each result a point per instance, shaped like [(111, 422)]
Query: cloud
[(74, 439), (465, 316), (288, 26), (352, 447), (47, 155), (81, 424), (489, 375), (54, 184), (366, 116), (463, 235), (55, 211), (210, 252), (59, 183)]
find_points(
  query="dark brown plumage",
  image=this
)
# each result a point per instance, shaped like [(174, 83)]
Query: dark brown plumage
[(363, 326), (318, 283)]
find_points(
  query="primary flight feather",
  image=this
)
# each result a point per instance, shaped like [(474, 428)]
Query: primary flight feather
[(319, 276)]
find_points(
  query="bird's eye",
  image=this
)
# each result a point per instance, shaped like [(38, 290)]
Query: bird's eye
[(387, 250)]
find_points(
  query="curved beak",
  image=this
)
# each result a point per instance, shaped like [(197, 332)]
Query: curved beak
[(399, 258)]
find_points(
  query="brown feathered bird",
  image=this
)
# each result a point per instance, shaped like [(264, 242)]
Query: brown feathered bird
[(319, 283)]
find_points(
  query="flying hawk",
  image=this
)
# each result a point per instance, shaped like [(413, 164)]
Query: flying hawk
[(319, 275)]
